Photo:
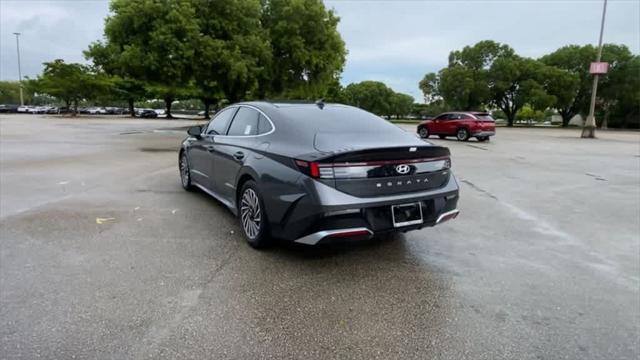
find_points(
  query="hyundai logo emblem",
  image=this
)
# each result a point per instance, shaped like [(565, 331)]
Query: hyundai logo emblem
[(403, 169)]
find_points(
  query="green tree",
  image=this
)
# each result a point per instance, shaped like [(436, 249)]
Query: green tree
[(463, 83), (308, 51), (529, 113), (575, 60), (620, 84), (335, 92), (514, 81), (372, 96), (563, 85), (71, 82), (400, 105), (429, 87), (480, 56), (10, 93), (232, 50), (463, 88), (154, 43), (106, 58)]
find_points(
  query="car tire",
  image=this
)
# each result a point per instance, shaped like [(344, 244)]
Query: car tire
[(442, 136), (482, 138), (424, 132), (462, 134), (252, 217), (185, 172)]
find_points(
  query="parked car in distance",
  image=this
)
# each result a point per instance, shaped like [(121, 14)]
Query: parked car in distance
[(309, 173), (147, 113), (96, 110), (8, 108), (461, 124), (24, 109), (114, 110)]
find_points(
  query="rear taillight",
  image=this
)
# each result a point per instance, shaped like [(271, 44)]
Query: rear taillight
[(364, 169), (310, 168)]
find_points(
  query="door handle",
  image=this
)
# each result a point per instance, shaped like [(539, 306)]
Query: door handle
[(238, 155)]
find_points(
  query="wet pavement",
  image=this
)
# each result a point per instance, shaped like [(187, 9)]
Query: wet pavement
[(103, 255)]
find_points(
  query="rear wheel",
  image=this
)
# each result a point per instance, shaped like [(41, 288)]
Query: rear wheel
[(185, 173), (423, 132), (462, 134), (252, 217)]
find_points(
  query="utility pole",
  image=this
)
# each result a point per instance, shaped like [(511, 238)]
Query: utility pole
[(589, 129), (17, 34)]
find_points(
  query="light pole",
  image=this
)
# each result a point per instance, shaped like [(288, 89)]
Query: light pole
[(589, 129), (17, 34)]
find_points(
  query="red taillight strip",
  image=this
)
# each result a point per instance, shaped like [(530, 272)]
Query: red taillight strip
[(383, 162)]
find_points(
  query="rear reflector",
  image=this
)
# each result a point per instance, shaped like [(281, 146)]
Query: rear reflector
[(350, 233)]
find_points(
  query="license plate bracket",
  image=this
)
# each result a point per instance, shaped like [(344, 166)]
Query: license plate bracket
[(406, 214)]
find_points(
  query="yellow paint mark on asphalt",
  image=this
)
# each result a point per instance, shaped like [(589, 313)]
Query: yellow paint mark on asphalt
[(101, 221)]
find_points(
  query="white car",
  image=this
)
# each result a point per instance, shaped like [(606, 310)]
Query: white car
[(24, 109), (96, 111)]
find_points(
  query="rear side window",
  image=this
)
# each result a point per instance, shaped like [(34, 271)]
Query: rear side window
[(264, 125), (245, 123), (218, 125), (484, 117)]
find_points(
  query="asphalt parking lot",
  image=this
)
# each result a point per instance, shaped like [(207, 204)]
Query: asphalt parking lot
[(103, 255)]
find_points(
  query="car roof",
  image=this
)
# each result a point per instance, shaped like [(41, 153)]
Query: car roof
[(466, 112)]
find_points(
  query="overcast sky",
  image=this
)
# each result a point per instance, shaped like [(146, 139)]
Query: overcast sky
[(396, 42)]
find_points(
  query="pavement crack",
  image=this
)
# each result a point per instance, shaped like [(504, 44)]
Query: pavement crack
[(597, 177), (477, 147), (479, 189)]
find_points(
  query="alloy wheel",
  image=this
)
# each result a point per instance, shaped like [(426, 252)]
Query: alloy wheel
[(250, 213), (462, 134), (184, 171)]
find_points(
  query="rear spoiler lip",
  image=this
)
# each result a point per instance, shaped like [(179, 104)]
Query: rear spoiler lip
[(439, 152)]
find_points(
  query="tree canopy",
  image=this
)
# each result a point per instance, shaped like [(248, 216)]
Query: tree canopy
[(491, 75), (215, 50), (70, 82)]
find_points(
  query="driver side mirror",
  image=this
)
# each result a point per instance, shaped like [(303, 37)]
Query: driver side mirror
[(195, 131)]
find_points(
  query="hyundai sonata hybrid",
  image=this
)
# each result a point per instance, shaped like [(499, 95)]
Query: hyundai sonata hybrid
[(316, 172)]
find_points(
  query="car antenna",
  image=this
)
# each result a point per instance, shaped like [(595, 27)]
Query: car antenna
[(320, 103)]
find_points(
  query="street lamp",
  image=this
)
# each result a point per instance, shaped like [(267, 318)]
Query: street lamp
[(589, 129), (17, 34)]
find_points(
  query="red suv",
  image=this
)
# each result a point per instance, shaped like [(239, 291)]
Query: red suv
[(462, 125)]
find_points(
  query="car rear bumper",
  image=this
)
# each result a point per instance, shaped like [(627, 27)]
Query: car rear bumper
[(483, 133), (325, 214)]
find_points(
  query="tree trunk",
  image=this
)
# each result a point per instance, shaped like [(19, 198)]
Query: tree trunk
[(605, 119), (207, 106), (168, 101), (67, 103), (566, 117), (132, 109), (75, 107)]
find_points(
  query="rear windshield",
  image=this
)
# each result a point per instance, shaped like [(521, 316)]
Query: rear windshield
[(336, 118), (484, 117)]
